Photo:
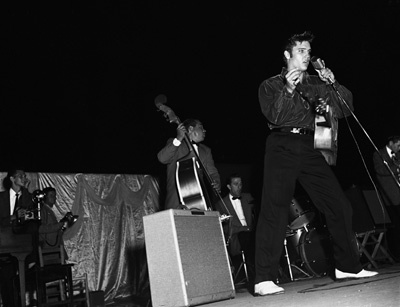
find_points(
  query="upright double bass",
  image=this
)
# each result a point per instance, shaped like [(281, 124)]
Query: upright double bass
[(192, 178)]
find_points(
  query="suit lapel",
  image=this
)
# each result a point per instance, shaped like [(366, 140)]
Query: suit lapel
[(388, 158), (6, 202), (246, 211)]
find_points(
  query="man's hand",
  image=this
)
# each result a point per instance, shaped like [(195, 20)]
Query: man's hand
[(326, 75), (292, 79), (20, 212), (216, 186), (180, 132), (64, 226), (322, 106)]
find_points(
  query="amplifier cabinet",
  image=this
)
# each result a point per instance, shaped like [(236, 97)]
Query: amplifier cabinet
[(187, 259)]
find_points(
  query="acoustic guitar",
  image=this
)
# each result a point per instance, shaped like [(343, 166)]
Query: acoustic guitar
[(325, 135)]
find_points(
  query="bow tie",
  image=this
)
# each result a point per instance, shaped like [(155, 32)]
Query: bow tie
[(233, 198)]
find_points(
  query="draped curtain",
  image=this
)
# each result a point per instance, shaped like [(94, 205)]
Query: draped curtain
[(107, 241)]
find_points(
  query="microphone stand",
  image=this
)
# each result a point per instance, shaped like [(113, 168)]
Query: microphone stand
[(365, 132)]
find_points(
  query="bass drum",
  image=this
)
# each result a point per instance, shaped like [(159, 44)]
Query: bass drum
[(313, 251)]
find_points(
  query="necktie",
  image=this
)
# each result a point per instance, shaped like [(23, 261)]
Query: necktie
[(16, 202)]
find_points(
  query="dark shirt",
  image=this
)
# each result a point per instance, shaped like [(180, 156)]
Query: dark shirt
[(283, 109), (50, 233)]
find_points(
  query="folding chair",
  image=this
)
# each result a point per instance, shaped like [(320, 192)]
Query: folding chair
[(54, 278), (242, 269), (369, 228), (239, 270), (370, 244), (81, 291)]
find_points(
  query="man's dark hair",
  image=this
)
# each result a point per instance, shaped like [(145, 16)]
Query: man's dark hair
[(7, 181), (190, 122), (306, 36), (231, 176), (393, 138), (48, 189)]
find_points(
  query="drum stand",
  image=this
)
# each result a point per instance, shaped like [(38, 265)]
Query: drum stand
[(290, 265)]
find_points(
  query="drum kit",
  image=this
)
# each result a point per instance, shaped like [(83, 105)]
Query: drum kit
[(307, 245)]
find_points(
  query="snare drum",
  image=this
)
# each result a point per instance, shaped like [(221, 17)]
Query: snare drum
[(300, 215)]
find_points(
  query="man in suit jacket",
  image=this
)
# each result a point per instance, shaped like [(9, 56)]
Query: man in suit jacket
[(239, 228), (14, 185), (178, 149), (389, 188)]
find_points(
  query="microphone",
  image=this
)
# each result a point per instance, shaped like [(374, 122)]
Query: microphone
[(318, 65)]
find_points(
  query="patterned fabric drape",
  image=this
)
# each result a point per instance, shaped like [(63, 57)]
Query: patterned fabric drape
[(107, 241)]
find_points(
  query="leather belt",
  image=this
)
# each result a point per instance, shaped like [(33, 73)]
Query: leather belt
[(295, 130)]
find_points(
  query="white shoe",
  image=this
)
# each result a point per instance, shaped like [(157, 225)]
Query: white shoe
[(361, 274), (267, 288)]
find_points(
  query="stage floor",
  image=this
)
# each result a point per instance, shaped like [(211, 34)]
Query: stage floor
[(382, 290)]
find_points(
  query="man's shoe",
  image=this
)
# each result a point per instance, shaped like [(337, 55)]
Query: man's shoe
[(361, 274), (267, 288)]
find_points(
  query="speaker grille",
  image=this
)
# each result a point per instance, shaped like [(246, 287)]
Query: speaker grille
[(187, 259)]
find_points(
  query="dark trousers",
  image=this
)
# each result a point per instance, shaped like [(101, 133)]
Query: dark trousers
[(246, 239), (290, 158), (393, 232)]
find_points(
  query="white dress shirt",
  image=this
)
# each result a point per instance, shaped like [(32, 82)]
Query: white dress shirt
[(196, 147), (237, 205), (390, 152), (13, 197)]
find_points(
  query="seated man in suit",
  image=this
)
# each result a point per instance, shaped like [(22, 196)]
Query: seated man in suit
[(239, 228), (386, 163), (15, 200)]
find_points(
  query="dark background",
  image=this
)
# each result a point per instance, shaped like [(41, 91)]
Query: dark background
[(78, 80)]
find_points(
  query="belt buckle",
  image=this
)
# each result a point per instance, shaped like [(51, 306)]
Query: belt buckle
[(296, 130)]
